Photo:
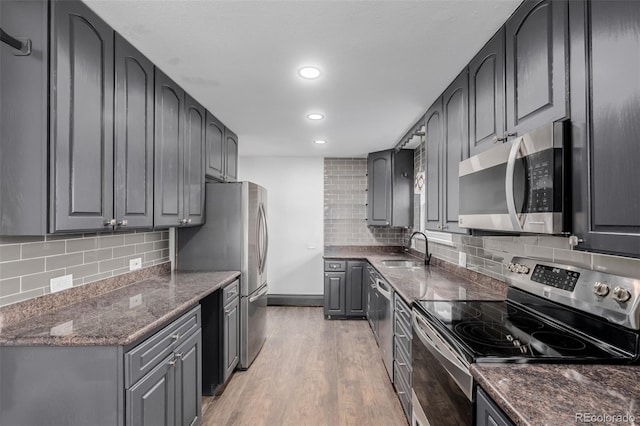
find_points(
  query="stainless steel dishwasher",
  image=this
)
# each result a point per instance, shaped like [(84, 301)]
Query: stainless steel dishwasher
[(385, 332)]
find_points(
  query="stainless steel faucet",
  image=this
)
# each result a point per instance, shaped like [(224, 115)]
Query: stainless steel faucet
[(427, 255)]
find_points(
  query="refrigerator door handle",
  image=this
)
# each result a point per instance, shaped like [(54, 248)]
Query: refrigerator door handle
[(266, 239), (259, 239), (263, 238), (259, 295)]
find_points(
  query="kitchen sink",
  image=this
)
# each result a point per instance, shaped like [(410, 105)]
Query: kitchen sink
[(395, 263)]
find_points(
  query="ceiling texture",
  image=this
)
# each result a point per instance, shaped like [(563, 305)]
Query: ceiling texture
[(383, 63)]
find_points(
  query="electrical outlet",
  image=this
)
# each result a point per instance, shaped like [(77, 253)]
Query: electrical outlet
[(135, 264), (135, 301), (61, 283), (462, 259)]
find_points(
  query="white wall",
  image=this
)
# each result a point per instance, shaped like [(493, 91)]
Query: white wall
[(295, 215)]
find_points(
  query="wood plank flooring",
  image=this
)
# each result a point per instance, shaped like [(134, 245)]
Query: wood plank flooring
[(309, 372)]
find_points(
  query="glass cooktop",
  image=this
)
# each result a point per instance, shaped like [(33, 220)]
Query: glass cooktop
[(503, 331)]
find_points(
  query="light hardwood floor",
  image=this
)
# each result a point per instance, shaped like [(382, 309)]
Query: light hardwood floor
[(310, 372)]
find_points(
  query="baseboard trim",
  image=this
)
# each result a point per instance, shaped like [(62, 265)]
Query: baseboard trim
[(295, 300)]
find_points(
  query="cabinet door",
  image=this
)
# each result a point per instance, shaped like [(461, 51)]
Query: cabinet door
[(488, 413), (215, 141), (605, 103), (379, 188), (81, 118), (168, 187), (455, 148), (231, 324), (334, 293), (194, 148), (433, 143), (151, 401), (133, 199), (536, 63), (486, 95), (189, 381), (231, 156), (355, 288)]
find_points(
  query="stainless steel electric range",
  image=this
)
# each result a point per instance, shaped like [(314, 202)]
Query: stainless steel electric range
[(553, 313)]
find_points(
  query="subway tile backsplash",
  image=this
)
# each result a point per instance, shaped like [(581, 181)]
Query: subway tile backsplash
[(28, 263), (490, 254), (345, 184)]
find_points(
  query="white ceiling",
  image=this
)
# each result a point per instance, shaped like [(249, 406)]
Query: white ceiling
[(383, 63)]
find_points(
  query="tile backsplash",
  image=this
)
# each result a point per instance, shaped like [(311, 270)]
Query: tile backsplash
[(345, 185), (490, 254), (28, 263)]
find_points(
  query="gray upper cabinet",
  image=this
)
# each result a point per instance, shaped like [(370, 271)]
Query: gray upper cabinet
[(222, 151), (379, 189), (215, 141), (81, 119), (24, 129), (434, 137), (536, 65), (194, 162), (486, 95), (133, 191), (446, 144), (231, 156), (605, 93), (390, 188), (455, 148), (169, 137)]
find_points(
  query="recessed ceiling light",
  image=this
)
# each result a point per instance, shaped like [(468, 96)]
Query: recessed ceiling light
[(320, 142), (309, 72), (315, 116)]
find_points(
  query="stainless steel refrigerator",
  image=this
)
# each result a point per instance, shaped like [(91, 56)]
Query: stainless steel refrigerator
[(234, 237)]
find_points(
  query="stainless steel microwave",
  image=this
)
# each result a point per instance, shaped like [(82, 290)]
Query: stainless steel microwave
[(519, 186)]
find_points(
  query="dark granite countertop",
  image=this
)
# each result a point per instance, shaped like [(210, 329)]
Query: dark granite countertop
[(562, 394), (118, 317), (439, 281)]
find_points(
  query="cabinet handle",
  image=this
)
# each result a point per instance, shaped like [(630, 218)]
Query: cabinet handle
[(188, 220), (179, 356), (402, 364), (175, 336), (402, 336), (23, 47), (173, 362), (497, 139), (510, 135), (111, 222), (123, 222)]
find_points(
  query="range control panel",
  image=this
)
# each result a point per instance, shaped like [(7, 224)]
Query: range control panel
[(612, 297), (555, 277)]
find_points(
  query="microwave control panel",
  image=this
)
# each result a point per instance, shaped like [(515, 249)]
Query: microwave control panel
[(540, 177)]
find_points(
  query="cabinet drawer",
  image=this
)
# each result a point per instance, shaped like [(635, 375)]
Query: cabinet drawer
[(403, 389), (144, 357), (230, 292), (403, 339), (403, 312), (335, 265), (404, 362)]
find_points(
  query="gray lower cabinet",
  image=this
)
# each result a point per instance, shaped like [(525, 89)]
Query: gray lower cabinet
[(345, 289), (171, 393), (605, 93), (231, 330), (402, 363), (334, 294), (446, 144), (390, 188), (155, 381), (82, 88), (536, 65), (487, 412)]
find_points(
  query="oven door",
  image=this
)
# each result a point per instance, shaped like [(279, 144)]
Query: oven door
[(442, 383)]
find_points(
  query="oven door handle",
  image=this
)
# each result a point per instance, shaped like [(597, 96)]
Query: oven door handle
[(508, 184), (448, 357)]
